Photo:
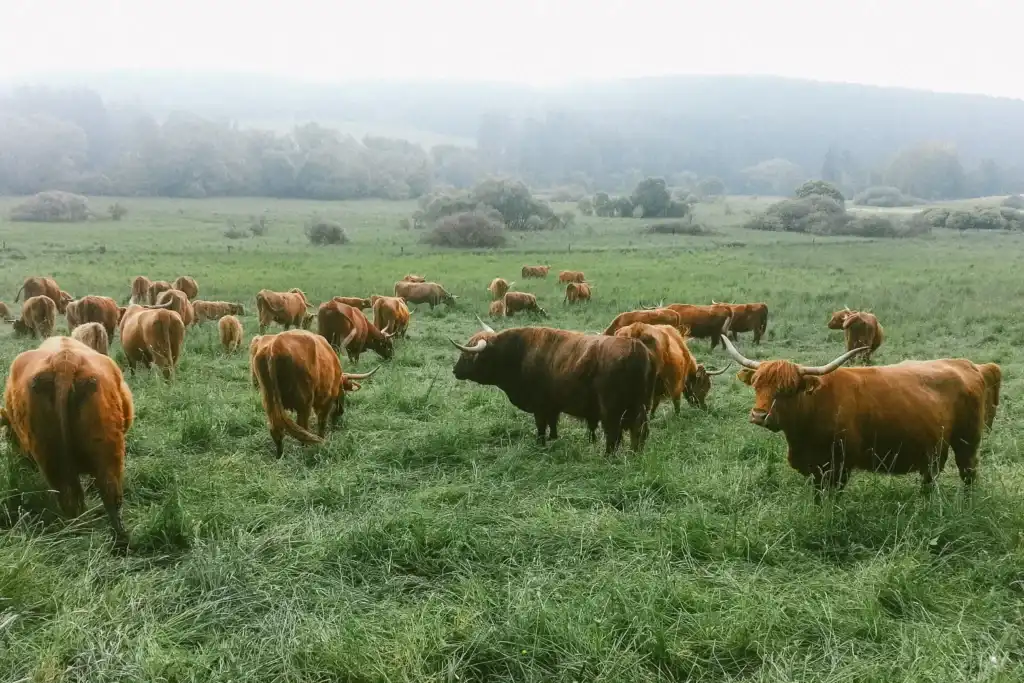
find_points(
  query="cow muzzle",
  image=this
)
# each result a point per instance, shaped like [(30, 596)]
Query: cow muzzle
[(763, 418)]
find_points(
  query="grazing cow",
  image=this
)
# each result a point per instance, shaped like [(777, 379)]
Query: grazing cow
[(747, 318), (5, 312), (651, 316), (535, 271), (575, 292), (230, 330), (703, 322), (517, 302), (297, 370), (892, 419), (157, 288), (678, 372), (214, 310), (860, 329), (152, 335), (345, 326), (284, 308), (354, 301), (68, 408), (93, 335), (188, 285), (497, 309), (140, 290), (93, 309), (178, 301), (567, 276), (38, 317), (414, 278), (993, 375), (498, 287), (424, 293), (391, 313), (44, 286), (547, 372)]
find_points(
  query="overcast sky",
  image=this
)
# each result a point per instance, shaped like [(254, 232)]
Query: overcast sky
[(949, 45)]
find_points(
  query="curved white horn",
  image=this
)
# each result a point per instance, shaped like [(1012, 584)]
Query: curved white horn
[(739, 357), (476, 348), (487, 328), (348, 339), (825, 369), (715, 373), (361, 375)]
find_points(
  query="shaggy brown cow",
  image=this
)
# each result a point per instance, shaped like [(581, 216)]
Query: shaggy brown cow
[(747, 318), (38, 317), (576, 292), (354, 301), (215, 310), (424, 293), (571, 276), (140, 290), (651, 316), (345, 326), (93, 309), (297, 370), (678, 372), (535, 271), (93, 335), (230, 330), (517, 302), (178, 301), (498, 287), (152, 335), (156, 288), (44, 286), (702, 322), (860, 329), (893, 419), (284, 308), (188, 285), (5, 312), (547, 372), (414, 278), (497, 309), (993, 375), (391, 313), (68, 409)]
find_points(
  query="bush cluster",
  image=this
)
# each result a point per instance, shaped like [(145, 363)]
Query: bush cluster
[(885, 197), (979, 218), (823, 215), (476, 229), (52, 206), (323, 232)]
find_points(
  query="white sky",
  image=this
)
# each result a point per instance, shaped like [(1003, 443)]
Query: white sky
[(950, 45)]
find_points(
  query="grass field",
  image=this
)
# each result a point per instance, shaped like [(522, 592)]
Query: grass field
[(431, 539)]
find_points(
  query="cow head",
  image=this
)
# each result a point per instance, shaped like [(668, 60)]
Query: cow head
[(781, 387), (374, 297), (307, 320), (65, 299), (386, 344), (497, 308), (479, 361), (839, 318), (698, 385), (120, 313), (236, 309), (449, 299)]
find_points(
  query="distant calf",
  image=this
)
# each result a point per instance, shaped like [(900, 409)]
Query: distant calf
[(93, 309), (215, 310), (424, 293), (140, 290), (93, 335), (68, 409), (576, 292), (860, 329), (230, 333), (571, 276), (287, 309), (518, 302), (747, 318), (187, 285), (5, 312), (152, 335), (535, 271), (498, 287), (44, 286), (38, 317)]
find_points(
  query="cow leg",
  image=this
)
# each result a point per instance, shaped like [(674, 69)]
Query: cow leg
[(612, 435), (542, 424), (592, 428), (302, 416), (638, 432), (112, 495), (966, 455), (277, 434), (553, 427), (675, 404)]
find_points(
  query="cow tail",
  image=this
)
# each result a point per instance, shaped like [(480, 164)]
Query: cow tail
[(20, 290), (63, 380), (266, 370), (763, 322)]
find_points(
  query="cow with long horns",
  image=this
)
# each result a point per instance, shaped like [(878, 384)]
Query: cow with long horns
[(606, 381), (892, 419)]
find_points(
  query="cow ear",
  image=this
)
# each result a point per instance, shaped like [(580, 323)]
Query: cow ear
[(745, 375), (810, 383)]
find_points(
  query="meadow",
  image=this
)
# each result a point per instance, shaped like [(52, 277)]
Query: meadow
[(431, 539)]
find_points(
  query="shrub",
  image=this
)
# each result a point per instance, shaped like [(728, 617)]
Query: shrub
[(814, 214), (585, 206), (468, 230), (677, 228), (1014, 201), (323, 232), (234, 233), (887, 197), (820, 187), (568, 194), (990, 218), (52, 207), (511, 199), (117, 211), (259, 225), (869, 226), (405, 224), (933, 218)]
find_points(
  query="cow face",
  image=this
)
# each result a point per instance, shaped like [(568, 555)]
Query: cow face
[(697, 387), (307, 320), (838, 319), (480, 361), (236, 309), (779, 387)]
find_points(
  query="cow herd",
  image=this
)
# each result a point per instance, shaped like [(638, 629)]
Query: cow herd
[(68, 408)]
